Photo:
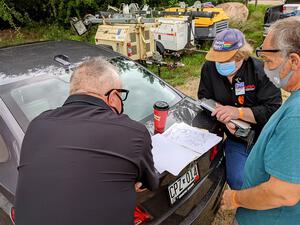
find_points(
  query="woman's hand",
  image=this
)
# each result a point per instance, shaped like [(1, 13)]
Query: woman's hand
[(225, 113)]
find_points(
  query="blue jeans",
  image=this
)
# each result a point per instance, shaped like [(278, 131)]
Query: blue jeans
[(236, 155)]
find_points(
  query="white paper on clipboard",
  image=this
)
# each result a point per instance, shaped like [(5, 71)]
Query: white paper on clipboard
[(191, 137), (168, 156), (180, 145)]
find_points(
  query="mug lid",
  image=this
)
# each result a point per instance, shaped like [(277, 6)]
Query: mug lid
[(161, 105)]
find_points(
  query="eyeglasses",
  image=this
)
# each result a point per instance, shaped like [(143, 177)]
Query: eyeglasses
[(259, 50), (123, 93)]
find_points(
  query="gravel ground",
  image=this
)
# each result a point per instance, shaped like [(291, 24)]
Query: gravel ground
[(190, 87)]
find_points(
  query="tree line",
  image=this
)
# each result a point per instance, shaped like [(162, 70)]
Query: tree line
[(15, 13)]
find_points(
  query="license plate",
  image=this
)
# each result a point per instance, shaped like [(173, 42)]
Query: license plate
[(181, 186)]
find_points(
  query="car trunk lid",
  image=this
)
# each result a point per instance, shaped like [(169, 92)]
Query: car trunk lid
[(185, 111)]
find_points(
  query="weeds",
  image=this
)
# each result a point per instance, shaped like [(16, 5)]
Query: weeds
[(253, 27), (192, 64)]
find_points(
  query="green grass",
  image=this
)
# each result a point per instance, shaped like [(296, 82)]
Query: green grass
[(42, 32), (253, 30), (179, 75), (253, 27)]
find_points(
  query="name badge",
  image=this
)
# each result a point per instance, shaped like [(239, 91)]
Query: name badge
[(240, 88)]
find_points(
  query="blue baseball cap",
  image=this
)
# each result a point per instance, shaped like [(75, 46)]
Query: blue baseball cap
[(226, 45)]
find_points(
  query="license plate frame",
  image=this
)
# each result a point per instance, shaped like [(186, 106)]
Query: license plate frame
[(183, 184)]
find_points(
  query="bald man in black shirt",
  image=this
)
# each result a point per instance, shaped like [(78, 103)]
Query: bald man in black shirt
[(79, 163)]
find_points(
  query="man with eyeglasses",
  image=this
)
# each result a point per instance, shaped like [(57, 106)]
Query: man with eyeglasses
[(237, 82), (82, 163), (271, 191)]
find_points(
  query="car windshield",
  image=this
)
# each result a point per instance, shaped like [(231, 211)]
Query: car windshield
[(32, 98)]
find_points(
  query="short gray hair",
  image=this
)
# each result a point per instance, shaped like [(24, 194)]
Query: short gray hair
[(94, 75), (286, 35)]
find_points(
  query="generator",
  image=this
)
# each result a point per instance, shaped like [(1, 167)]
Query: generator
[(209, 21), (208, 28), (174, 34), (128, 32), (135, 41)]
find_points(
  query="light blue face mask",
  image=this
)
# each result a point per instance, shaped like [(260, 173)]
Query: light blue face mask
[(274, 76), (226, 69)]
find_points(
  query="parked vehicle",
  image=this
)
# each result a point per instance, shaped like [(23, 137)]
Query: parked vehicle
[(126, 30), (32, 82), (209, 20), (174, 34), (135, 32), (289, 8)]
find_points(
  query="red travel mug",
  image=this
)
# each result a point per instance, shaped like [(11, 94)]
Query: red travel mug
[(161, 109)]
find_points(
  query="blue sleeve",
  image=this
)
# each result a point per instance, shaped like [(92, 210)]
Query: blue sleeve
[(282, 156)]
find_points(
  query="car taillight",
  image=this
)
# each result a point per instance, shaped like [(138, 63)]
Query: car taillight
[(213, 152), (129, 49), (141, 216), (196, 178), (13, 214)]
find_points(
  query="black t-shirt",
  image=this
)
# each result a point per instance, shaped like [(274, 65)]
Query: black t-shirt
[(250, 88), (79, 164)]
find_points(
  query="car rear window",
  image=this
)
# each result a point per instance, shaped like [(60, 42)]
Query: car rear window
[(37, 97), (44, 94), (145, 89)]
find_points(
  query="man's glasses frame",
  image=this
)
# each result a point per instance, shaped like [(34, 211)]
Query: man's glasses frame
[(123, 93), (259, 50)]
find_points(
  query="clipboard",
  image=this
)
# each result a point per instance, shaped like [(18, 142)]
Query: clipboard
[(243, 128)]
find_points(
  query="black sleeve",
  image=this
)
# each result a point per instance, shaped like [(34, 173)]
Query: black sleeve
[(149, 178), (205, 89), (268, 97)]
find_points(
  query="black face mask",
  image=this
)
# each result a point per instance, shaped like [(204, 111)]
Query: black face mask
[(122, 106)]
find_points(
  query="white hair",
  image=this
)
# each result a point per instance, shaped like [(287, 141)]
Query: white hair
[(286, 35), (94, 75)]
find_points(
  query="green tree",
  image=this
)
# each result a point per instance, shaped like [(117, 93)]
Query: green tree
[(10, 15)]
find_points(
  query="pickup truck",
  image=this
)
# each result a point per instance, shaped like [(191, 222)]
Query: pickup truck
[(289, 8)]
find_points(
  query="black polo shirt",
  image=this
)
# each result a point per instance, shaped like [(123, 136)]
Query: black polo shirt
[(79, 164), (250, 88)]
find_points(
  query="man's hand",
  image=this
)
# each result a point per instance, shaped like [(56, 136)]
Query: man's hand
[(138, 186), (271, 194), (229, 200), (225, 113)]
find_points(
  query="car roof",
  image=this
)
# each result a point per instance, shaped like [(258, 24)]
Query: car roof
[(18, 60)]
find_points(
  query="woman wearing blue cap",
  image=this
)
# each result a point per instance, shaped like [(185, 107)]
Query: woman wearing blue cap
[(237, 82)]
